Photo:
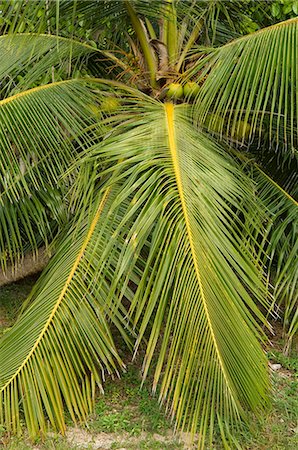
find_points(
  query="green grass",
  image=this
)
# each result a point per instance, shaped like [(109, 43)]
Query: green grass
[(149, 444), (133, 412), (127, 407), (278, 430), (50, 444), (287, 362)]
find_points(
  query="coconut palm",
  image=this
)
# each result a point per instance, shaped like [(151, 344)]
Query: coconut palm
[(158, 171)]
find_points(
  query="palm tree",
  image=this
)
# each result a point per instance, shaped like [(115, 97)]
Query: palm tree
[(159, 173)]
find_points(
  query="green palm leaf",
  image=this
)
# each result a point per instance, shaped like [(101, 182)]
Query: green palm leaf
[(172, 228), (41, 132), (196, 273), (48, 120), (278, 237), (29, 222), (63, 338), (282, 248), (31, 58), (252, 84)]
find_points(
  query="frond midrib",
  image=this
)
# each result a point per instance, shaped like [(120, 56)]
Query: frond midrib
[(112, 83), (35, 89), (169, 111), (65, 287)]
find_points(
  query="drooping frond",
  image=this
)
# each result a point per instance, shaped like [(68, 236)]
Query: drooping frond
[(196, 274), (28, 59), (38, 133), (29, 222), (251, 84), (41, 131), (282, 247), (61, 346)]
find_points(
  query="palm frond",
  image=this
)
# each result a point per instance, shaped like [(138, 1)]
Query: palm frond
[(41, 132), (281, 248), (195, 271), (176, 235), (37, 128), (61, 346), (31, 58), (28, 223), (251, 83)]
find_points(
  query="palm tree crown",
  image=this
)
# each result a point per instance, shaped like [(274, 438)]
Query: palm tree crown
[(152, 150)]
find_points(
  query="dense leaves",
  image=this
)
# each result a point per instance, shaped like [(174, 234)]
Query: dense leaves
[(163, 228)]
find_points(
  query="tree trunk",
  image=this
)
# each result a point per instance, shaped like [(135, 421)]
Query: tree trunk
[(30, 264)]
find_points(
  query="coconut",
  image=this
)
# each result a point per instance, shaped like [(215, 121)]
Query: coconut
[(175, 90), (191, 89), (242, 129), (110, 104)]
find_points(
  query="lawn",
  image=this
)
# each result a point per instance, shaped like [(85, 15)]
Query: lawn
[(129, 418)]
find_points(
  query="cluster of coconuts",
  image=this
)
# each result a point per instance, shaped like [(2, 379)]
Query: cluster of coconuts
[(111, 104), (177, 90)]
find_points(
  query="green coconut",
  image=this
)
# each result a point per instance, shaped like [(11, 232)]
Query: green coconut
[(110, 104), (242, 129), (175, 90), (190, 89)]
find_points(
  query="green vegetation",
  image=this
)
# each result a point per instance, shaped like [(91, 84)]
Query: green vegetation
[(278, 429), (126, 409), (150, 150)]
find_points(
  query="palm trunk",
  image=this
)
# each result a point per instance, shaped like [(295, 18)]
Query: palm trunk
[(30, 264)]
